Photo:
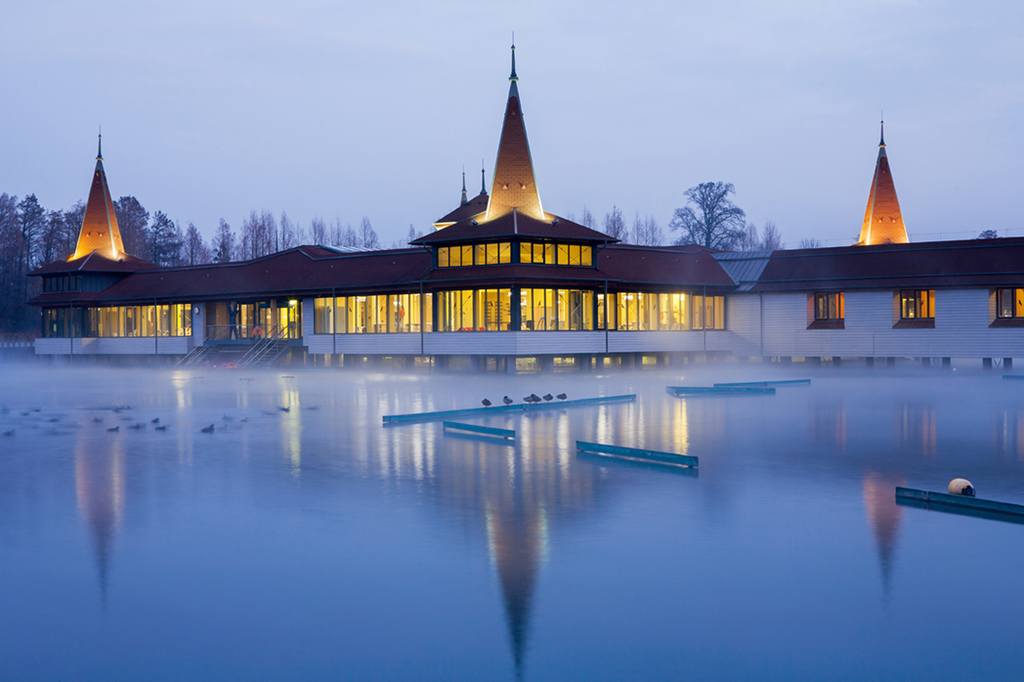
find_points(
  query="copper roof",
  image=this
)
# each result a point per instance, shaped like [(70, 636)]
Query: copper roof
[(883, 220), (514, 224), (99, 231), (474, 206), (514, 185)]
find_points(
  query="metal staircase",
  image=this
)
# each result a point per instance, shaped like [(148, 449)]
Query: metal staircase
[(194, 356), (264, 352)]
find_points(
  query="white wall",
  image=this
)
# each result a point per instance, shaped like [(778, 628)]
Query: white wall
[(143, 345), (962, 319)]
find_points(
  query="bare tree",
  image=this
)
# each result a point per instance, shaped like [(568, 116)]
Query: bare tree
[(614, 225), (288, 233), (413, 234), (588, 218), (810, 243), (771, 238), (133, 220), (646, 231), (989, 234), (709, 219), (367, 235), (196, 251), (318, 231)]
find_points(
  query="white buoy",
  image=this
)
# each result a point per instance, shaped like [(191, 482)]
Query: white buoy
[(961, 486)]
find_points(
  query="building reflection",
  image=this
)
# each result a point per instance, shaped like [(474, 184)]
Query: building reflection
[(1010, 433), (829, 425), (884, 515), (916, 427), (99, 490)]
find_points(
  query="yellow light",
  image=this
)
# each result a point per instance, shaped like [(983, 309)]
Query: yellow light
[(293, 303)]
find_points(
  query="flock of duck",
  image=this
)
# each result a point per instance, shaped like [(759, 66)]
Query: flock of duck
[(532, 398)]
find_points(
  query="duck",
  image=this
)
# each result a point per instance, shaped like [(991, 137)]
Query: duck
[(207, 429), (507, 400), (285, 409), (486, 403), (162, 427), (548, 397), (97, 420), (114, 429), (154, 420), (561, 396), (9, 432), (137, 426)]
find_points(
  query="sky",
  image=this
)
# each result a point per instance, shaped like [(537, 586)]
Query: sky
[(343, 110)]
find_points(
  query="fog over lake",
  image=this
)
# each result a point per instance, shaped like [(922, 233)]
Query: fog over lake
[(301, 539)]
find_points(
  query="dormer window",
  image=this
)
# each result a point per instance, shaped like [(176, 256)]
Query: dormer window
[(556, 254), (494, 253)]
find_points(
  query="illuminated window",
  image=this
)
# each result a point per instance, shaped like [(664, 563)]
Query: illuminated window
[(1009, 304), (442, 257), (586, 256), (829, 307), (917, 304), (556, 309), (470, 310), (373, 314)]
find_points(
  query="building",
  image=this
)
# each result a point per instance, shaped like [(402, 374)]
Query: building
[(503, 282)]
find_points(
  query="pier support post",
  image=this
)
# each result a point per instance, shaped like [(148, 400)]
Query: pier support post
[(986, 363), (947, 362), (890, 362), (1007, 363)]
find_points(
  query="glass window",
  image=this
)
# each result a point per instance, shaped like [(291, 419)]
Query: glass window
[(917, 304), (574, 254), (492, 254), (1010, 303), (442, 257), (563, 253), (828, 306), (586, 257), (526, 252), (455, 257), (505, 252), (481, 254), (549, 254), (467, 255)]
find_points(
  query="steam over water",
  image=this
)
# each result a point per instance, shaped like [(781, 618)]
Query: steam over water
[(314, 543)]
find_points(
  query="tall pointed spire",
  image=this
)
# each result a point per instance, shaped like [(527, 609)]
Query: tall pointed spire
[(483, 183), (99, 231), (514, 186), (883, 220), (465, 198)]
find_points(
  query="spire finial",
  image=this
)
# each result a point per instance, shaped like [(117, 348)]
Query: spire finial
[(881, 138), (99, 145), (483, 184), (465, 199), (512, 76)]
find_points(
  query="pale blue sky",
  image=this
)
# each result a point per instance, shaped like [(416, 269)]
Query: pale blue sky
[(352, 109)]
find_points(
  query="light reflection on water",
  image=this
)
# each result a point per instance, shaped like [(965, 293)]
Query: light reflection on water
[(355, 550)]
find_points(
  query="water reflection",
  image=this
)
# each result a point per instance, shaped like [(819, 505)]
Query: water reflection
[(916, 427), (884, 516), (99, 491)]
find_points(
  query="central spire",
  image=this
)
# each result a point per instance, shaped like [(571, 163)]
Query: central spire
[(514, 185)]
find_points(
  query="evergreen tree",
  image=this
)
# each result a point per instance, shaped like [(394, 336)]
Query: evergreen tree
[(31, 225), (165, 240), (223, 243), (196, 252), (133, 220)]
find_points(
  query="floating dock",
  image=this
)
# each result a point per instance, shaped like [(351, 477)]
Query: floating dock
[(989, 508), (764, 384), (1016, 377), (413, 417), (479, 430), (720, 390), (637, 454)]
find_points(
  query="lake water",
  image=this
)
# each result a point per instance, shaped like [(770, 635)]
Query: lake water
[(316, 544)]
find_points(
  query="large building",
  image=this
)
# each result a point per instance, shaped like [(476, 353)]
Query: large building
[(504, 282)]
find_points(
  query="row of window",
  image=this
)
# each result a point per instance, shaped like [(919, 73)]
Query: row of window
[(501, 252), (556, 254), (474, 254), (917, 305), (468, 310), (119, 321), (61, 283)]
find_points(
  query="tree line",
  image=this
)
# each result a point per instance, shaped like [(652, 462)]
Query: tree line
[(31, 236)]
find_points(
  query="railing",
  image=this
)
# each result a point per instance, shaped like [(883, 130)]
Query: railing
[(265, 350)]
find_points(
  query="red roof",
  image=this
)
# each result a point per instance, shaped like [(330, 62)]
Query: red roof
[(974, 262), (94, 262), (514, 224), (477, 204)]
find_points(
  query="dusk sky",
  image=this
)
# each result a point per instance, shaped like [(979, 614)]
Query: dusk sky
[(343, 110)]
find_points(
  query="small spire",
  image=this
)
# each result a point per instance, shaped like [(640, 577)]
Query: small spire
[(465, 199), (99, 145), (483, 183), (512, 76), (881, 139)]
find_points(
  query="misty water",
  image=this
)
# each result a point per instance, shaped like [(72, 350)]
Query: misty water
[(314, 543)]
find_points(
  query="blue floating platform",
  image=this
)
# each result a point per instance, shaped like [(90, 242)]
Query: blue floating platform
[(413, 417), (479, 430), (764, 384), (636, 454), (1014, 377), (719, 390), (930, 499)]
